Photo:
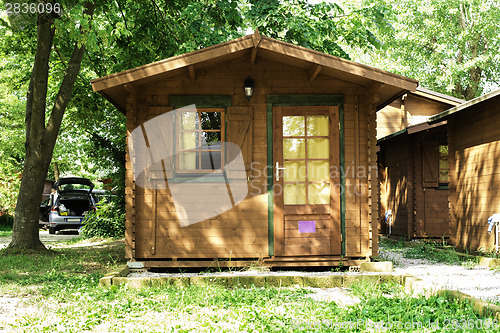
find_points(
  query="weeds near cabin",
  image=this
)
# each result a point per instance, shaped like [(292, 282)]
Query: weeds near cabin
[(432, 251), (489, 253), (429, 251)]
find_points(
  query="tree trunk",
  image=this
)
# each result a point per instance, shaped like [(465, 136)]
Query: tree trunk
[(55, 166), (41, 139), (25, 231)]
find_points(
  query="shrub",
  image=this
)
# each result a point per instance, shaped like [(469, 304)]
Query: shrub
[(107, 221), (6, 220)]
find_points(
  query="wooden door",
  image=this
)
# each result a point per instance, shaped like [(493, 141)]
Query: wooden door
[(307, 186)]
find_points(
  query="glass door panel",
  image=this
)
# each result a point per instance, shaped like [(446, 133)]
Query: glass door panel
[(306, 161)]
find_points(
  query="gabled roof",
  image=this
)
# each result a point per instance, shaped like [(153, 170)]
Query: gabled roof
[(462, 107), (388, 85), (434, 95)]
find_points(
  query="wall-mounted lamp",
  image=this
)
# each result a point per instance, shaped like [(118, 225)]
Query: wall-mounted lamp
[(248, 87)]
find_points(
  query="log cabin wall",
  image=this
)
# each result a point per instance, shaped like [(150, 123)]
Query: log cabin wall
[(411, 184), (153, 230), (431, 216), (397, 164), (406, 111), (474, 142), (390, 119)]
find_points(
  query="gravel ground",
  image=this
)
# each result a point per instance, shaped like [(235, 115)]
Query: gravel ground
[(46, 238), (478, 282)]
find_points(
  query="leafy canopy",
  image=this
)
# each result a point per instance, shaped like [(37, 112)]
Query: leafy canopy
[(449, 46), (123, 34)]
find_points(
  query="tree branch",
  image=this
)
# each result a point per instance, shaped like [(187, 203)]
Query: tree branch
[(60, 55), (64, 94), (123, 15)]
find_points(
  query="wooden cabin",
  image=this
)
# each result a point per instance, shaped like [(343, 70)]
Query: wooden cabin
[(310, 113), (411, 109), (474, 152), (413, 170)]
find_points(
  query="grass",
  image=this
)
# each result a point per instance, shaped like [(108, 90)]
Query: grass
[(5, 231), (431, 251), (59, 291)]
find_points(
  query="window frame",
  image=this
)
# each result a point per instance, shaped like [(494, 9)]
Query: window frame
[(199, 148), (199, 101), (443, 185)]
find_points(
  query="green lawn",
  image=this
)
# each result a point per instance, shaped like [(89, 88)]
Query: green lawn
[(59, 291), (5, 231)]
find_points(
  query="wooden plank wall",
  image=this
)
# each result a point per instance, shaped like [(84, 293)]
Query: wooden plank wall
[(474, 140), (397, 161), (421, 106), (360, 153), (397, 115), (373, 183), (431, 205), (390, 119), (242, 231), (129, 176)]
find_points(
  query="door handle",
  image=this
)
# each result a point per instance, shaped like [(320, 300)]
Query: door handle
[(278, 171)]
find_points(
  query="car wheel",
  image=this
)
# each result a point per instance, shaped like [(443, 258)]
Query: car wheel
[(52, 231)]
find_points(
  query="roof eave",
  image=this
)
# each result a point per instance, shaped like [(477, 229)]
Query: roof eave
[(445, 114), (247, 42)]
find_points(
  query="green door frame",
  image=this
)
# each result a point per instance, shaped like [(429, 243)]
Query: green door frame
[(302, 100)]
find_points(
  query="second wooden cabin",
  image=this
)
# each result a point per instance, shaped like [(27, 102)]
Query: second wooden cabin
[(474, 154), (413, 166), (305, 123)]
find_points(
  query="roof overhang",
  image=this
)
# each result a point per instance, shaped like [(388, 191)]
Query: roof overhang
[(434, 95), (418, 128), (386, 85), (463, 107)]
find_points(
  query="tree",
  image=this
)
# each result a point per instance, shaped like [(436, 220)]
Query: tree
[(449, 46), (123, 34), (324, 27), (41, 136)]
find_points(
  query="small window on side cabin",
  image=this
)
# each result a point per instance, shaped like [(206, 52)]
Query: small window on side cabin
[(444, 169), (200, 137)]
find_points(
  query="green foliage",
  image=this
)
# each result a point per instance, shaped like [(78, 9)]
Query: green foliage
[(489, 252), (323, 27), (124, 34), (107, 221), (449, 46), (6, 220), (390, 244)]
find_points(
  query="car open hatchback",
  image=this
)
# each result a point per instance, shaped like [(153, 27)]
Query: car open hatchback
[(68, 207)]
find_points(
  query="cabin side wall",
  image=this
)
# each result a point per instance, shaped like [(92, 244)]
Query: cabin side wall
[(390, 119), (397, 161), (242, 232), (421, 106), (406, 111), (431, 203), (474, 141)]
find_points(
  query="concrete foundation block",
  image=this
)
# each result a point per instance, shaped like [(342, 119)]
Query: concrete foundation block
[(379, 267), (106, 281)]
